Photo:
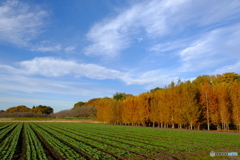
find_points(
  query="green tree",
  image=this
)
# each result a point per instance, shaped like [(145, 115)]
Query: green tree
[(119, 96), (78, 104), (155, 89), (42, 109)]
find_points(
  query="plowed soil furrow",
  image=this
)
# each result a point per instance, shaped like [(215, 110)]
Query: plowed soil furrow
[(83, 154), (50, 152), (20, 150)]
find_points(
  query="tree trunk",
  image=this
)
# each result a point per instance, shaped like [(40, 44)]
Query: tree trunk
[(218, 127), (208, 124), (153, 124)]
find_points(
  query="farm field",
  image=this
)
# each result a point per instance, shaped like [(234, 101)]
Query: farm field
[(60, 141)]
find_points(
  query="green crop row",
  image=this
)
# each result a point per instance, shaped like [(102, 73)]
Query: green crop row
[(98, 143), (201, 138), (123, 143), (3, 125), (65, 151), (9, 144), (120, 139), (81, 140), (147, 141), (190, 141), (5, 131), (96, 154), (34, 148)]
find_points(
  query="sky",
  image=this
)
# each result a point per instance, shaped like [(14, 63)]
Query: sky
[(57, 53)]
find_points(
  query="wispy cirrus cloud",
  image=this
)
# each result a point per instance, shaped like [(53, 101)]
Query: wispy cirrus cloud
[(18, 89), (156, 19), (20, 22), (28, 84), (56, 67), (29, 102), (111, 36), (235, 67), (46, 46), (36, 101), (212, 50)]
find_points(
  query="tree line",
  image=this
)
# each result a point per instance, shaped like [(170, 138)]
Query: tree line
[(24, 111), (79, 110), (208, 102)]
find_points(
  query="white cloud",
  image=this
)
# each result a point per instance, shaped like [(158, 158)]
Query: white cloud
[(20, 22), (212, 50), (113, 35), (70, 49), (23, 83), (48, 48), (217, 12), (228, 68), (36, 101), (170, 46), (55, 67), (150, 79), (57, 105), (156, 19)]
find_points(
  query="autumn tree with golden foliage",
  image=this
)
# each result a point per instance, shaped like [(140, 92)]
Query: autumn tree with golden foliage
[(207, 101), (20, 108)]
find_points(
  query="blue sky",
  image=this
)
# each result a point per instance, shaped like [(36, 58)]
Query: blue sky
[(56, 52)]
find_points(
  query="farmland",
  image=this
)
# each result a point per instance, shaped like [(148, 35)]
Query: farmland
[(54, 140)]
